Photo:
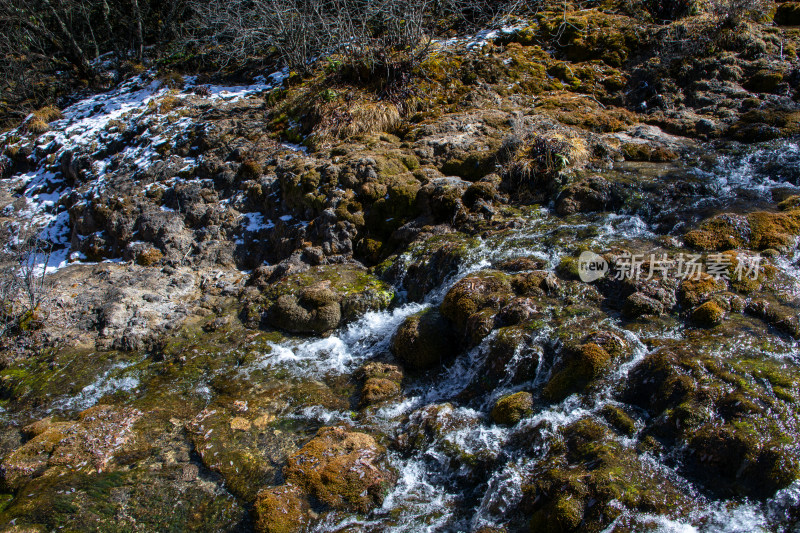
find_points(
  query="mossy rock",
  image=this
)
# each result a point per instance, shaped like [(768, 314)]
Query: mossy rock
[(485, 291), (89, 443), (619, 420), (509, 358), (576, 369), (424, 340), (592, 34), (708, 315), (764, 81), (282, 509), (390, 202), (231, 445), (512, 408), (645, 152), (757, 231), (658, 382), (568, 268), (306, 314), (724, 451), (521, 264), (434, 427), (594, 193), (760, 125), (430, 262), (781, 317), (639, 304), (696, 290), (342, 469), (563, 515), (723, 232), (472, 167), (377, 390), (322, 298), (788, 14), (582, 480), (149, 257), (441, 198), (77, 501), (790, 203)]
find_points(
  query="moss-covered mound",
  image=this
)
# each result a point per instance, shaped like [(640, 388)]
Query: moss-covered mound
[(341, 469), (510, 409), (757, 231), (322, 298), (424, 340)]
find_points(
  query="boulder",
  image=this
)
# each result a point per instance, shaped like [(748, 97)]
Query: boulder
[(342, 469), (424, 340), (510, 409)]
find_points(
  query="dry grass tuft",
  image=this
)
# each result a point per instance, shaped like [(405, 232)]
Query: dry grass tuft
[(48, 114), (370, 117), (35, 125), (171, 79), (250, 169), (166, 104), (359, 118), (534, 160)]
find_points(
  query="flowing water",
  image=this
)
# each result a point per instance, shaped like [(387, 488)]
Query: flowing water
[(471, 472), (435, 492)]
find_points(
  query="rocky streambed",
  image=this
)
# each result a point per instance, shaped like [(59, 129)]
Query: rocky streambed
[(390, 328)]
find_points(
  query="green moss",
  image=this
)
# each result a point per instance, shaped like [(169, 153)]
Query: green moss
[(76, 502), (486, 290), (708, 315), (619, 420), (512, 408), (577, 369), (568, 268), (342, 469)]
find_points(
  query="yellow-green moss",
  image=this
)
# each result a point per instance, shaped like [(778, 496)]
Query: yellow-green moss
[(487, 289), (282, 509), (510, 409), (341, 469), (578, 367)]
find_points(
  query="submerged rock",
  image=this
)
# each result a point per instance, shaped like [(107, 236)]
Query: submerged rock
[(282, 509), (581, 483), (88, 444), (381, 382)]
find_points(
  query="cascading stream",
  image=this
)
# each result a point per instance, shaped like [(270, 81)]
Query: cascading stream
[(422, 499)]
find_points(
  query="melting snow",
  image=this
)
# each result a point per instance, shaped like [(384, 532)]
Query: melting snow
[(91, 126)]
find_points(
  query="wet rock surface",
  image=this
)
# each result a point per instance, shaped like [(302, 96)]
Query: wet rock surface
[(386, 328)]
